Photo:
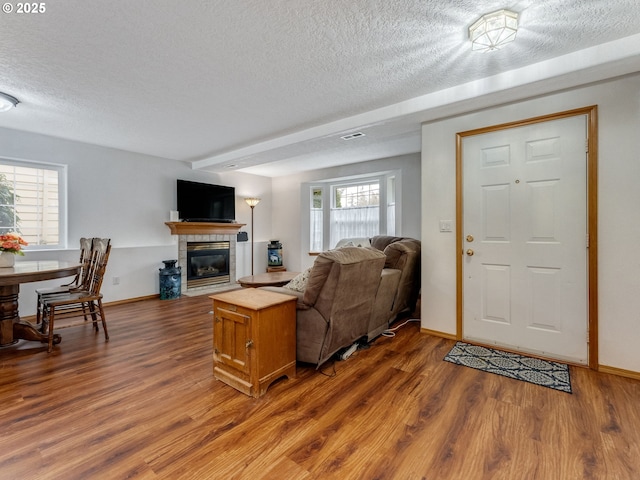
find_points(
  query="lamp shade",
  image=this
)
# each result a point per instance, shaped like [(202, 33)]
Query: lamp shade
[(493, 30), (252, 202)]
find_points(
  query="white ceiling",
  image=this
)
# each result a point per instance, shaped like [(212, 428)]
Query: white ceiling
[(270, 85)]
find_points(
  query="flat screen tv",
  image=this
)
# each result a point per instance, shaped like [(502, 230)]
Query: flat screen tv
[(203, 202)]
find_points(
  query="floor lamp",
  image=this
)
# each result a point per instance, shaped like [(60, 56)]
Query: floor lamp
[(252, 202)]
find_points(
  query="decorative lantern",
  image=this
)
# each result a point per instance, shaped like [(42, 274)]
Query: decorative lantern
[(274, 254)]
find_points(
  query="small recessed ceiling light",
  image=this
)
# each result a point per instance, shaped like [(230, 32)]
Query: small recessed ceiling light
[(351, 136), (493, 30), (7, 102)]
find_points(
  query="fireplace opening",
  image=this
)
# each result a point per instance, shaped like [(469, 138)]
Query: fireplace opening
[(207, 263)]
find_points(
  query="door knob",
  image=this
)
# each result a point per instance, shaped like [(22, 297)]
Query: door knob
[(470, 252)]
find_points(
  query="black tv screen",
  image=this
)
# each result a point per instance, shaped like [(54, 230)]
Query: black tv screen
[(203, 202)]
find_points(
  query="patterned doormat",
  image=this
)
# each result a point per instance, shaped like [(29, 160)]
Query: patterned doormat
[(533, 370)]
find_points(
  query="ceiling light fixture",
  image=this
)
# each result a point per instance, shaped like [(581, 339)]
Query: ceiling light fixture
[(7, 102), (493, 30)]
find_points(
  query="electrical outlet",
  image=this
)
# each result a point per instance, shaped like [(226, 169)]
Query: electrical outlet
[(116, 280)]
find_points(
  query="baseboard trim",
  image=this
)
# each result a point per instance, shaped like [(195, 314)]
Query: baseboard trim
[(436, 333), (32, 318), (621, 372), (132, 300)]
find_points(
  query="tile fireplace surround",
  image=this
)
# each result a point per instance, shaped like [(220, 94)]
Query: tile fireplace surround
[(205, 232)]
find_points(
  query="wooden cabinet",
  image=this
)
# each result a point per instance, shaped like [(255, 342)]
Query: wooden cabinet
[(254, 338)]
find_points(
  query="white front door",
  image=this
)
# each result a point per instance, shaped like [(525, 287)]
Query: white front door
[(525, 283)]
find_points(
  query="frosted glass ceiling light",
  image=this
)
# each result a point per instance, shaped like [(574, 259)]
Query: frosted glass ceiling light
[(7, 102), (493, 30)]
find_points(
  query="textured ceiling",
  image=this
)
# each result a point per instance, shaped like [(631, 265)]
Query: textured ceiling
[(271, 84)]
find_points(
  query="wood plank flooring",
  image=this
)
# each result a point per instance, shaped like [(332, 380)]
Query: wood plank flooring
[(146, 406)]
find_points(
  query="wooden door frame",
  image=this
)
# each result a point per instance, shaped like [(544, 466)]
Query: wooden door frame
[(591, 113)]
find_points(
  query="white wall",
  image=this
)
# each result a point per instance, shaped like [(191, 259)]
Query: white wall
[(126, 197), (288, 196), (618, 202)]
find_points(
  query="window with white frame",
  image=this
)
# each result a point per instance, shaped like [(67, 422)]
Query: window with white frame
[(391, 205), (316, 219), (32, 201), (351, 208), (355, 210)]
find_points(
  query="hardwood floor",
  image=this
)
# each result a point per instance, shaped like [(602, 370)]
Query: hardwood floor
[(146, 406)]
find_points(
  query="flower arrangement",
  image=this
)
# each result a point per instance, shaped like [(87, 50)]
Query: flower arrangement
[(12, 242)]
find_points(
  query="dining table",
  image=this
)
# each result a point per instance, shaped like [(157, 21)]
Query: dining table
[(12, 328)]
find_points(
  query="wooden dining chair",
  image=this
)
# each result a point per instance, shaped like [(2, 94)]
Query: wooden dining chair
[(84, 301), (85, 255)]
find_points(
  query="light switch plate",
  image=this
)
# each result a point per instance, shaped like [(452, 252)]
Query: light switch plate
[(446, 225)]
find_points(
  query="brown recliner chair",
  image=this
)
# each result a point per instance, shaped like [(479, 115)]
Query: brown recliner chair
[(399, 286), (403, 254), (334, 310)]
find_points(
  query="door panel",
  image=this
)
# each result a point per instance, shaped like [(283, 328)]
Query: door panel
[(544, 302), (497, 221), (495, 293), (525, 206), (230, 335)]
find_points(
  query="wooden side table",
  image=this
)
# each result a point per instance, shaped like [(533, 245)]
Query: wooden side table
[(270, 279), (276, 269), (254, 339)]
